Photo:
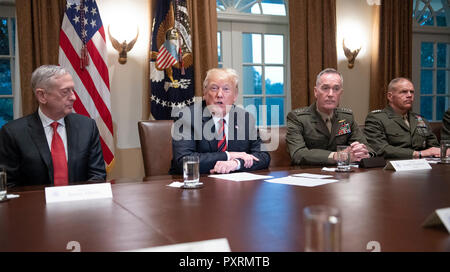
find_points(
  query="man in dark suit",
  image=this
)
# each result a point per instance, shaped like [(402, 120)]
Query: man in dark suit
[(52, 146), (223, 136)]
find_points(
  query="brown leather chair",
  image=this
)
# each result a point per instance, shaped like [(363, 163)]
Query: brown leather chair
[(156, 146), (280, 156), (436, 128)]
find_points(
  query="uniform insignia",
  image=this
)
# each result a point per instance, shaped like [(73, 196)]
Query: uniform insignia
[(346, 110), (302, 110), (420, 121), (375, 111), (340, 121), (344, 128)]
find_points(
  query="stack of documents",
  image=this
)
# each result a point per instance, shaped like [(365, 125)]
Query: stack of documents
[(304, 179), (242, 176)]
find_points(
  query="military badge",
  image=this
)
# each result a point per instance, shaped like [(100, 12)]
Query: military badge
[(344, 128), (420, 121)]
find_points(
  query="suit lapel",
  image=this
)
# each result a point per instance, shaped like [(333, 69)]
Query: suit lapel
[(397, 118), (36, 130), (232, 129), (72, 140), (412, 123), (205, 120), (317, 121), (334, 127)]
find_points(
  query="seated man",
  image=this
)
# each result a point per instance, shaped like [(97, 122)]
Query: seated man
[(445, 131), (314, 132), (396, 132), (222, 135), (52, 146)]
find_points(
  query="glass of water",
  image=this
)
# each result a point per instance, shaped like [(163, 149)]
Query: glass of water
[(191, 171), (343, 158), (445, 151), (322, 229), (3, 184)]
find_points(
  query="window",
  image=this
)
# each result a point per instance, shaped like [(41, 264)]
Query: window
[(253, 39), (431, 67), (7, 63)]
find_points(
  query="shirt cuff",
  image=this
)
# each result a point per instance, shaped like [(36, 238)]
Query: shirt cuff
[(331, 157), (228, 155), (239, 164)]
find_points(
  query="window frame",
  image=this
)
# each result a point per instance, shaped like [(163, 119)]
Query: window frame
[(9, 11), (232, 26)]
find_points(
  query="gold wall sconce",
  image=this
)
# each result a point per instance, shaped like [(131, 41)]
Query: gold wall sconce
[(123, 47), (350, 54)]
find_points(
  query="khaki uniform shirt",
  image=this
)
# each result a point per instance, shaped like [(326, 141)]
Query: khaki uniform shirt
[(445, 132), (308, 139), (388, 134)]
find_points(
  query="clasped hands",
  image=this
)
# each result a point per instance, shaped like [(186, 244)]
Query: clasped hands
[(358, 152), (225, 167)]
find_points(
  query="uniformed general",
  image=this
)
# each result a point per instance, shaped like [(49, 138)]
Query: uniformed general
[(396, 132), (314, 132), (445, 131)]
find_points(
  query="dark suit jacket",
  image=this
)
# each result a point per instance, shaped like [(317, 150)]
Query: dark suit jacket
[(25, 153), (197, 136)]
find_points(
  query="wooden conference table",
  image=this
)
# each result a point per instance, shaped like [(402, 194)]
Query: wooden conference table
[(376, 205)]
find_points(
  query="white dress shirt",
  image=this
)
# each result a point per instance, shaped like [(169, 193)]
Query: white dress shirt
[(46, 123)]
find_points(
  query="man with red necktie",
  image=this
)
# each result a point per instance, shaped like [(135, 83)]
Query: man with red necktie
[(223, 136), (52, 146)]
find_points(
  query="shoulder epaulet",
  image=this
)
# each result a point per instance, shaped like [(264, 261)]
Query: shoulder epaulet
[(376, 111), (345, 110), (303, 110)]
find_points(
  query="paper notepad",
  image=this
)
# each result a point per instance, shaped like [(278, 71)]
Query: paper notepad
[(299, 181), (215, 245), (241, 176)]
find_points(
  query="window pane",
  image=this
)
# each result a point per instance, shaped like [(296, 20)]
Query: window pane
[(442, 85), (275, 111), (426, 107), (274, 80), (441, 19), (13, 27), (441, 107), (252, 104), (442, 55), (252, 79), (5, 77), (6, 110), (4, 41), (273, 7), (427, 19), (426, 82), (219, 46), (426, 53), (251, 48), (273, 49)]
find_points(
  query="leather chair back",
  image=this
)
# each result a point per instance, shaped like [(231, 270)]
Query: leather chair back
[(156, 146), (279, 156)]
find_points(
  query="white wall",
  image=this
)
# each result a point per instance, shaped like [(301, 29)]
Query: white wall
[(354, 19)]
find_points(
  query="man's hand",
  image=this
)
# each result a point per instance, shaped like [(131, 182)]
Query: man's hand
[(224, 167), (358, 151), (248, 159), (431, 152)]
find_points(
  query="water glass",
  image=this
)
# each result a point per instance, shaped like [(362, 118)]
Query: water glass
[(191, 171), (322, 229), (343, 158), (445, 151), (3, 184)]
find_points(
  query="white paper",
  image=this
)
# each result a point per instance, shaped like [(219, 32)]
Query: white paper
[(176, 184), (240, 176), (444, 215), (433, 160), (11, 196), (313, 176), (78, 192), (327, 169), (408, 165), (215, 245), (307, 182)]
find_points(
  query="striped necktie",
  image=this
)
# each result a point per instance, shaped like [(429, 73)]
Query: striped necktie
[(222, 144)]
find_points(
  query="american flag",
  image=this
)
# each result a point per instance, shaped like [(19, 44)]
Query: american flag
[(82, 52)]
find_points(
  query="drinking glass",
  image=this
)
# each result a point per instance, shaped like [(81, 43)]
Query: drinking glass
[(191, 171), (343, 158), (322, 229)]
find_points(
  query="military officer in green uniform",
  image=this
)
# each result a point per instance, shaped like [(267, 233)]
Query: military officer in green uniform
[(397, 133), (445, 131), (314, 132)]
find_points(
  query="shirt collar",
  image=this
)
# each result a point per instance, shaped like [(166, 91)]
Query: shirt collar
[(217, 119), (324, 115), (47, 121)]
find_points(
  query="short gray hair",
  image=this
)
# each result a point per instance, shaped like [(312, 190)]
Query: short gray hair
[(396, 80), (43, 75), (329, 71), (226, 72)]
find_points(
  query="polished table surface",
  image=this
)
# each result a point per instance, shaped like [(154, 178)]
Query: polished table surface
[(376, 205)]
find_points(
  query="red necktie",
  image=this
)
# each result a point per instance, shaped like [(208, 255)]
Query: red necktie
[(222, 144), (60, 173)]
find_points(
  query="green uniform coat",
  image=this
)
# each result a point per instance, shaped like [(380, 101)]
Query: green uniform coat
[(388, 134), (308, 139)]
